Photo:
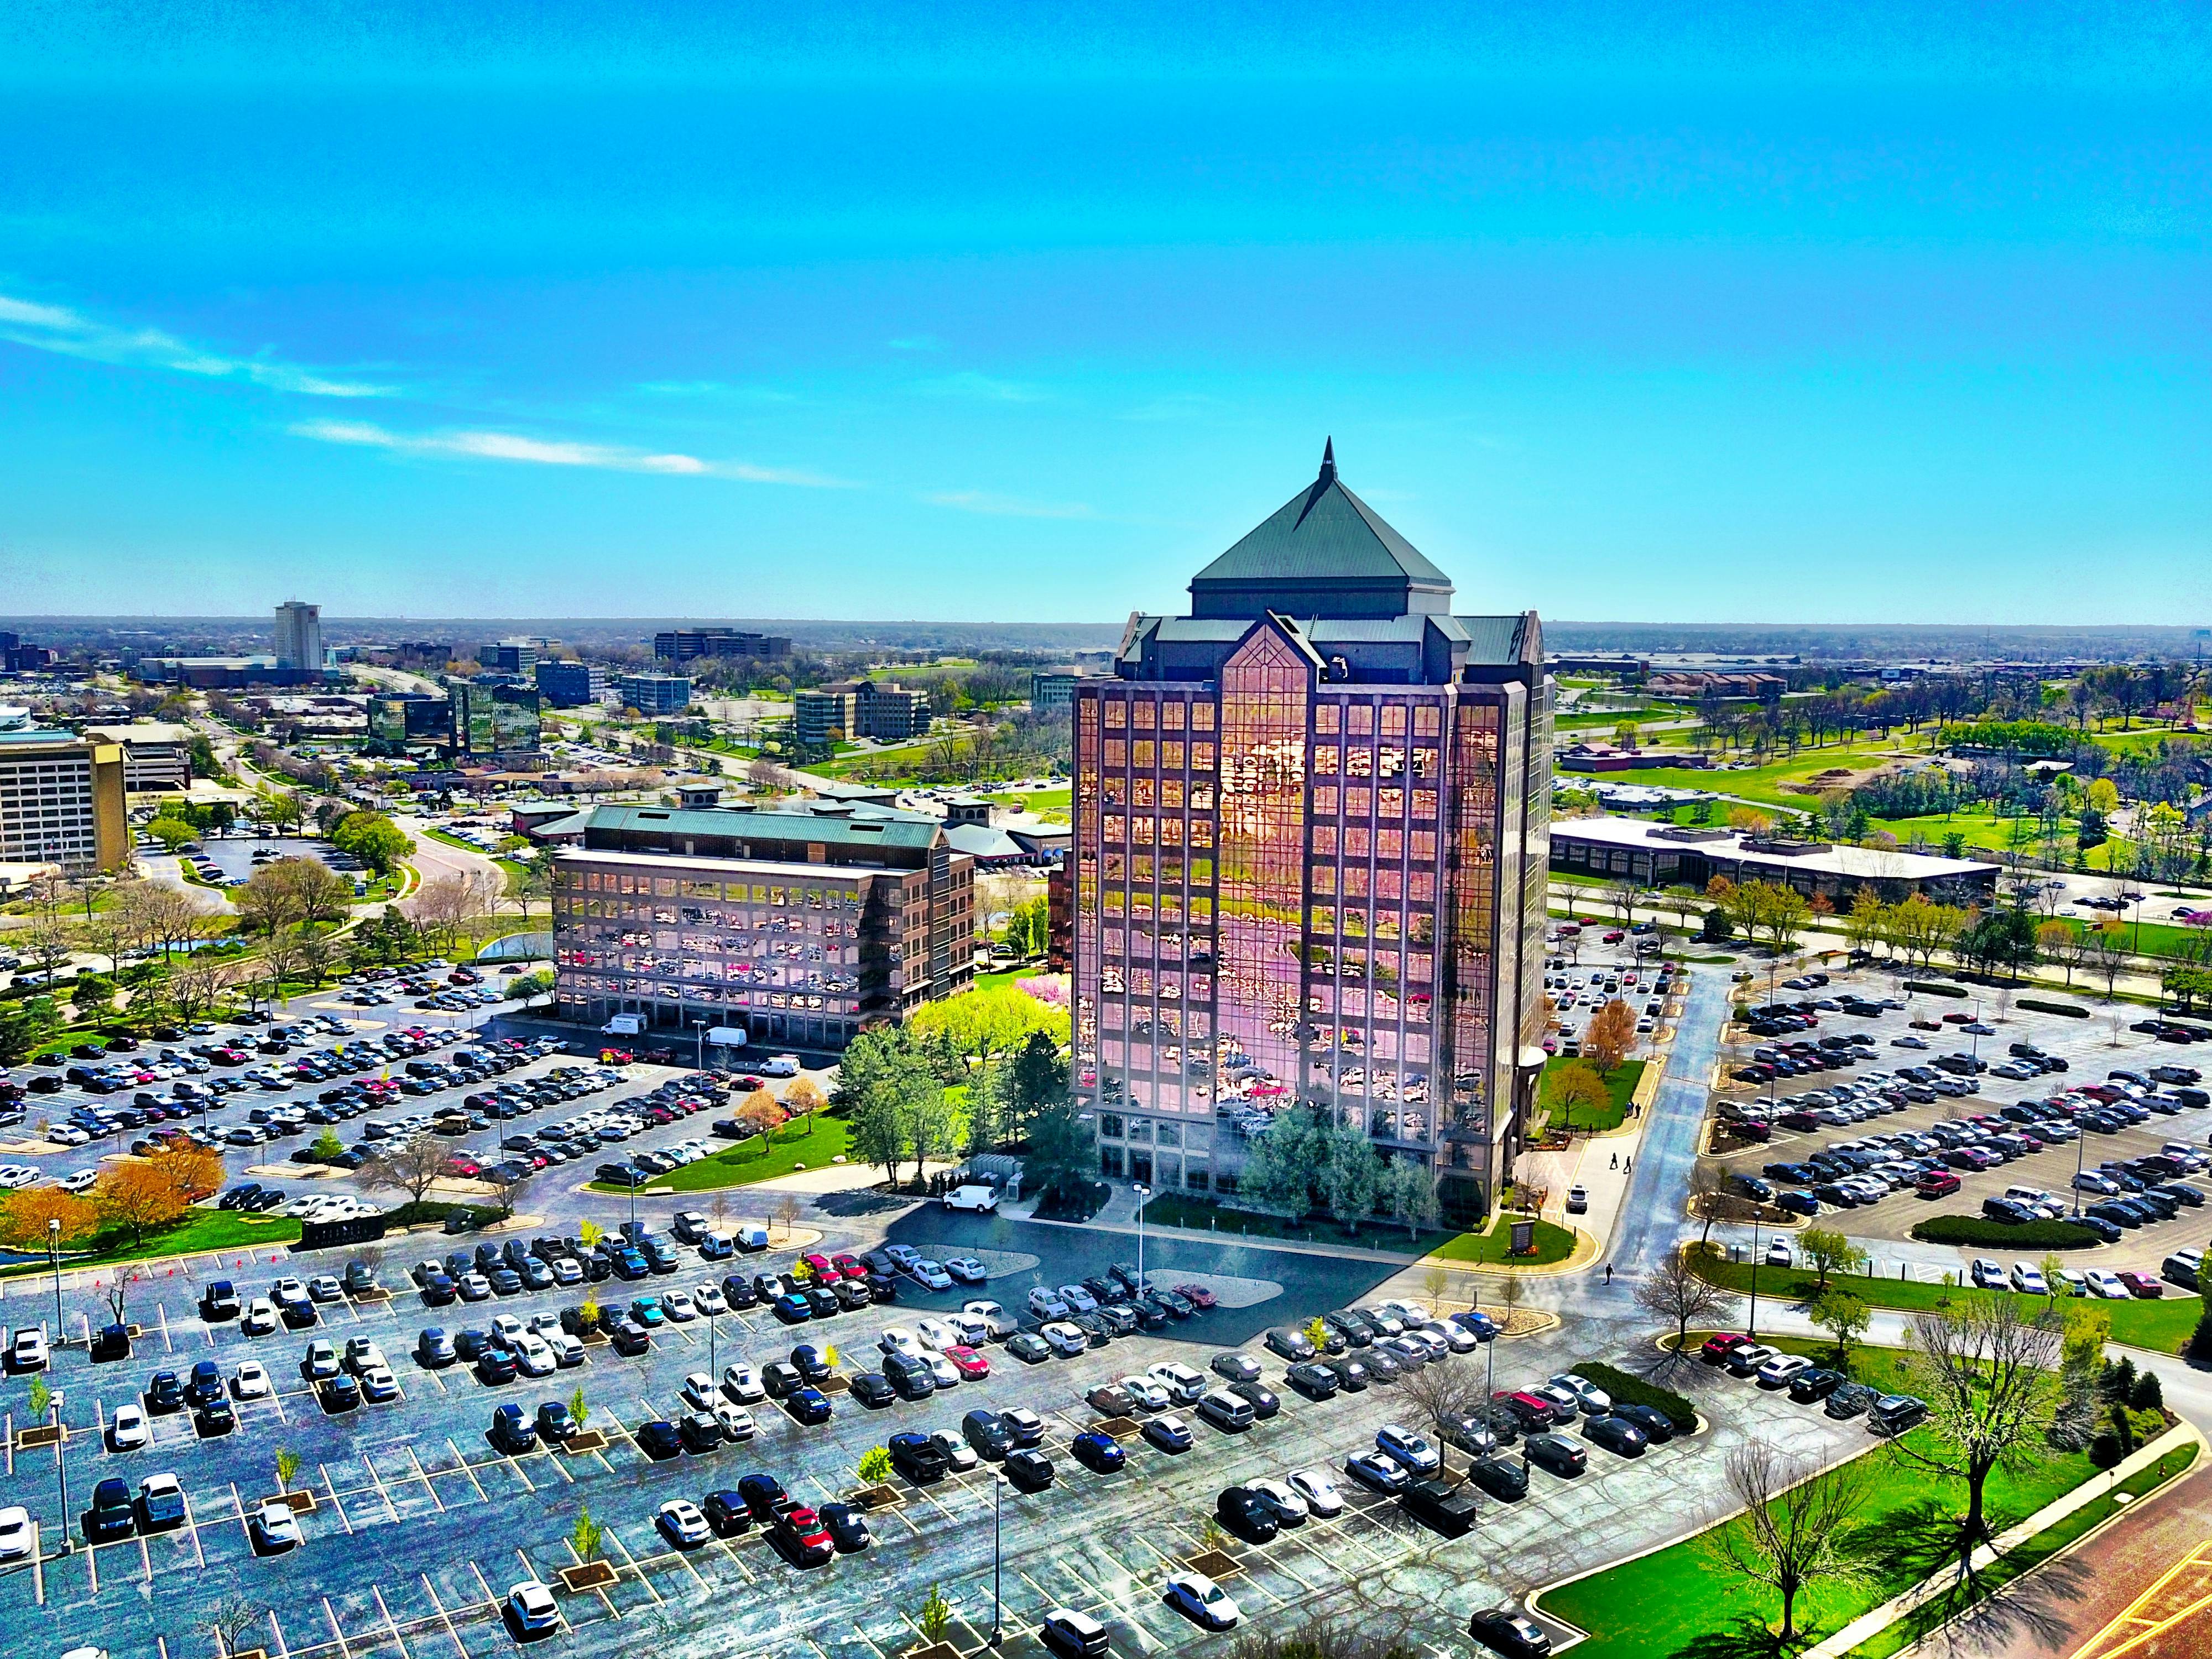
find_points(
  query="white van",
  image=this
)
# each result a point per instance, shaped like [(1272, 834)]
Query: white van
[(1225, 1410), (981, 1199), (2029, 1195)]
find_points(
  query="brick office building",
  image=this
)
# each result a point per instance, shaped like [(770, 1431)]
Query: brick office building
[(1311, 820)]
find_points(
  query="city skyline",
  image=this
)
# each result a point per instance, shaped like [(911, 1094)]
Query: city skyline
[(1892, 318)]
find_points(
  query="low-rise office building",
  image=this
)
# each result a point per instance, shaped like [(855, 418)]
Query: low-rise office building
[(683, 644), (571, 684), (1688, 855), (803, 926), (493, 720), (157, 755), (848, 709), (654, 694), (62, 802)]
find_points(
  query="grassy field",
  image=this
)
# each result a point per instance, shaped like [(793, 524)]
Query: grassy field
[(1053, 804), (815, 1145), (1662, 1603), (2161, 1325), (1618, 1086), (1553, 1243), (1767, 784), (200, 1230)]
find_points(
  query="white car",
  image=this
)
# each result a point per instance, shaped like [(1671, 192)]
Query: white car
[(1588, 1395), (1290, 1509), (78, 1181), (679, 1307), (711, 1301), (2105, 1284), (682, 1524), (897, 1339), (250, 1382), (1779, 1371), (533, 1357), (998, 1323), (942, 1371), (127, 1430), (2028, 1280), (699, 1392), (28, 1350), (936, 1334), (1183, 1385), (1146, 1393), (741, 1382), (1319, 1492), (1064, 1338), (15, 1532), (1202, 1600), (568, 1352), (531, 1608), (736, 1422), (1045, 1304), (931, 1275), (274, 1527), (954, 1447), (1986, 1275), (259, 1318)]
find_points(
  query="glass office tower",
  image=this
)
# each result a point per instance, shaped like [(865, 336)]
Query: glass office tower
[(1311, 844)]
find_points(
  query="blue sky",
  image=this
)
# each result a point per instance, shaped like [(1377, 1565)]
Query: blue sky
[(1771, 313)]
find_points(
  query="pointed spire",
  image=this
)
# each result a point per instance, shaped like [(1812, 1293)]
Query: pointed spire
[(1328, 460)]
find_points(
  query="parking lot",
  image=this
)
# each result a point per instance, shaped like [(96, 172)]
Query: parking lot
[(2091, 1048), (418, 1526)]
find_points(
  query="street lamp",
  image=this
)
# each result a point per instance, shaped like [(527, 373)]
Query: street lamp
[(61, 1462), (1751, 1326), (699, 1060), (998, 1491), (1142, 1192)]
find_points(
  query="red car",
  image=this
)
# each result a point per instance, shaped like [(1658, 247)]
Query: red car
[(1197, 1295), (747, 1083), (1718, 1348), (850, 1266), (467, 1168), (1615, 937), (2141, 1285), (969, 1364), (803, 1536), (1955, 1018), (1940, 1184), (825, 1271)]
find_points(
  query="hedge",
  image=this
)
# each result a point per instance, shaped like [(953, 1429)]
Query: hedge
[(1935, 988), (1998, 1235), (2065, 1008), (1628, 1389)]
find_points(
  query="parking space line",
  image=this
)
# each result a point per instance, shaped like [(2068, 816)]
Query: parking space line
[(335, 1502), (37, 1561), (466, 1469), (192, 1526), (344, 1652), (631, 1562), (454, 1636), (390, 1623), (521, 1474), (476, 1572), (429, 1485), (276, 1632), (369, 1463), (92, 1566)]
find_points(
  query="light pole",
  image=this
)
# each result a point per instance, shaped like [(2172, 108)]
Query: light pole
[(1750, 1327), (2081, 1148), (61, 1462), (699, 1059), (998, 1491), (1142, 1192)]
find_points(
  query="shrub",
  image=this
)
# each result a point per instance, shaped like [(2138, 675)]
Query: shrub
[(1974, 1230), (1934, 987), (2043, 1007), (1631, 1390), (2148, 1394)]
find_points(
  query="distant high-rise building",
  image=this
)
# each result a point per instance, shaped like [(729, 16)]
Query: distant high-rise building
[(298, 636), (511, 656), (1311, 829)]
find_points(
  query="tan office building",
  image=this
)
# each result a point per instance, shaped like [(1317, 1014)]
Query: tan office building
[(61, 802)]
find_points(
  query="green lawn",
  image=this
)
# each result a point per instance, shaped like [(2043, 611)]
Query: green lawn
[(750, 1161), (1765, 784), (1553, 1243), (2161, 1325), (1180, 1210), (1618, 1086), (201, 1230), (1660, 1603)]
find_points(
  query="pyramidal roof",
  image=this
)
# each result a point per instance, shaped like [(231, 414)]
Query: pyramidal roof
[(1324, 552)]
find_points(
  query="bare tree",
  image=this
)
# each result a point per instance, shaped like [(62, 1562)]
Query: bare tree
[(412, 1166), (1796, 1524), (1443, 1396), (1673, 1291), (1989, 1373), (232, 1620), (507, 1181)]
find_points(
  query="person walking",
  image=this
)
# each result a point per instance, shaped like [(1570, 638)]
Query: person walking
[(1614, 1162), (1608, 1272)]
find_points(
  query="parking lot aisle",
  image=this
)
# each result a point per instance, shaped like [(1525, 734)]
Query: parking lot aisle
[(636, 1571), (390, 1509), (422, 1475), (445, 1620)]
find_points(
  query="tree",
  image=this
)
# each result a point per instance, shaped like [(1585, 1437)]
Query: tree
[(192, 1170), (875, 1465), (26, 1217), (1443, 1395), (934, 1617), (372, 838), (1409, 1193), (1063, 1152), (172, 833), (287, 1465), (760, 1113), (138, 1198), (2059, 941), (507, 1181), (2108, 952), (1576, 1083), (1797, 1524), (1989, 1373), (231, 1620), (24, 1026), (803, 1099), (1673, 1291), (1830, 1253), (1350, 1176), (1034, 1078), (586, 1536), (1862, 925), (1843, 1316), (1610, 1034), (412, 1166)]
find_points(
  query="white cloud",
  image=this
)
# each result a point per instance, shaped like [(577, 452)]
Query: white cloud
[(57, 329), (1007, 507), (969, 384), (540, 451)]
